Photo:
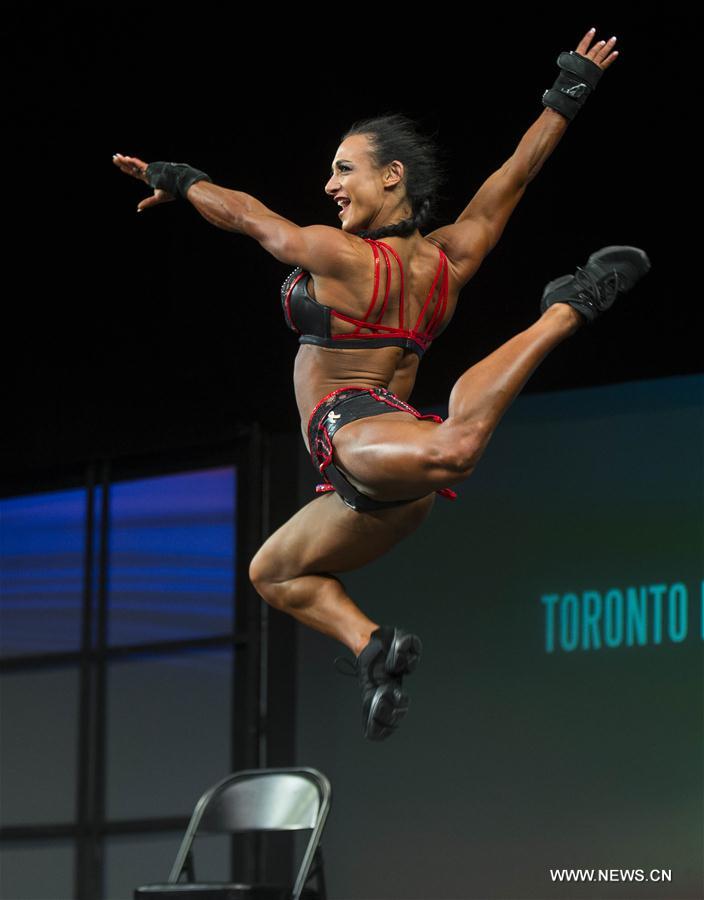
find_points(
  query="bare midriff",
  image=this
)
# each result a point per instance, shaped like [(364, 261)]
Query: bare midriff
[(318, 371)]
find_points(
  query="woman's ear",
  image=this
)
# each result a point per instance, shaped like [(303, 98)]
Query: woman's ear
[(394, 173)]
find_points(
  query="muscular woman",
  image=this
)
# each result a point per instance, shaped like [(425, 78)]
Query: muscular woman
[(366, 309)]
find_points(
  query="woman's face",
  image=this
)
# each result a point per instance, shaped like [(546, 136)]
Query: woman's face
[(357, 185)]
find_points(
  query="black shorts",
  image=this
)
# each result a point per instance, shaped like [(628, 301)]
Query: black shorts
[(345, 405)]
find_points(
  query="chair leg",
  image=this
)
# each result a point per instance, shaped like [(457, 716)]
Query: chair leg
[(319, 873)]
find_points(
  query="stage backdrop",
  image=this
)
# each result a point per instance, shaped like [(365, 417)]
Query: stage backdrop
[(556, 715)]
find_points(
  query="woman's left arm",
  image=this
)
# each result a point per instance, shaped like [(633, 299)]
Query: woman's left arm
[(480, 225)]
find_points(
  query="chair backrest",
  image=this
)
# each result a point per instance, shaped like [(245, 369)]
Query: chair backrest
[(271, 801), (262, 800)]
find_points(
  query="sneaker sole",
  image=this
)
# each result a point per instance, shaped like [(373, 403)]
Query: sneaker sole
[(639, 257), (388, 707), (404, 653)]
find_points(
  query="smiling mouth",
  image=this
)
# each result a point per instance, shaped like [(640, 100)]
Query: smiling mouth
[(344, 204)]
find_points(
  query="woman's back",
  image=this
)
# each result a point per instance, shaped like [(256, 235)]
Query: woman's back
[(372, 328)]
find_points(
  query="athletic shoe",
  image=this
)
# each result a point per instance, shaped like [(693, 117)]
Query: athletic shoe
[(390, 654), (593, 289)]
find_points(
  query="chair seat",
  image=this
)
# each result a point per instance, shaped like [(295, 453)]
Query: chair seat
[(218, 891)]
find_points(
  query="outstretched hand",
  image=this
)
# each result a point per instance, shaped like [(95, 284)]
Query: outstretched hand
[(137, 168), (602, 53)]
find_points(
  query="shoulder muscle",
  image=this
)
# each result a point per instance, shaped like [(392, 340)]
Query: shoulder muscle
[(480, 225), (320, 249)]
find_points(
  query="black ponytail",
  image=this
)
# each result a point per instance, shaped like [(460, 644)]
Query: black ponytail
[(395, 136)]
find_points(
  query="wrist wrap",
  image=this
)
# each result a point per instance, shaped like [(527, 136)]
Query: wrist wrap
[(577, 79), (175, 178)]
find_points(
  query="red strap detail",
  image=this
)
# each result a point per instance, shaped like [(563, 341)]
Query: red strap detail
[(444, 492), (387, 328), (441, 306), (423, 342), (327, 445), (400, 266), (389, 402), (376, 290), (287, 301), (388, 287), (429, 297), (327, 397), (424, 338), (405, 407), (322, 445)]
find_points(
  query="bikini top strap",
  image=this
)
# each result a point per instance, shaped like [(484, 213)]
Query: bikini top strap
[(372, 303), (441, 305), (400, 266), (440, 272)]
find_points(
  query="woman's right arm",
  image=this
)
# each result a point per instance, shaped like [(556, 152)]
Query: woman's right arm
[(317, 248), (228, 209)]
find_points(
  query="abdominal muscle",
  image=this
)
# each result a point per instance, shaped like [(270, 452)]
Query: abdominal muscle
[(318, 371)]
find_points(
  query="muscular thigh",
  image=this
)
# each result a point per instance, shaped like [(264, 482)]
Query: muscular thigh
[(395, 455), (327, 536)]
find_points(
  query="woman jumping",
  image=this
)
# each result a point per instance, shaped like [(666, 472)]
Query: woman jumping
[(366, 310)]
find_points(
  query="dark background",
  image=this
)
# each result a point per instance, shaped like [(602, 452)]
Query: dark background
[(125, 332)]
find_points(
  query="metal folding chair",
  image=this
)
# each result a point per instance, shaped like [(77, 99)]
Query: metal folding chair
[(254, 800)]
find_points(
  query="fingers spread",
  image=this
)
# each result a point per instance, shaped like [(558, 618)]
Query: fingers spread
[(602, 53), (611, 58), (583, 46), (603, 49), (608, 53)]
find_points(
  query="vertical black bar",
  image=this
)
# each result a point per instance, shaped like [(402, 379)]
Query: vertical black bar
[(282, 471), (263, 643), (246, 723), (85, 717), (264, 505), (253, 600), (237, 707), (101, 689), (281, 636)]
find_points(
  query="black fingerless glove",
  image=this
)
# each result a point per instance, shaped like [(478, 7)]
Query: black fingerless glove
[(175, 178), (577, 79)]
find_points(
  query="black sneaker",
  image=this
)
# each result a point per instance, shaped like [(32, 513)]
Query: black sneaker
[(593, 289), (390, 654)]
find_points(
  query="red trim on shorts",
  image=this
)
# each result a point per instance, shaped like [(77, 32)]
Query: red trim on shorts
[(327, 441), (332, 394)]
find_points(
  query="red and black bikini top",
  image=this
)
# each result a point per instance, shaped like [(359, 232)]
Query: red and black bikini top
[(312, 320)]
